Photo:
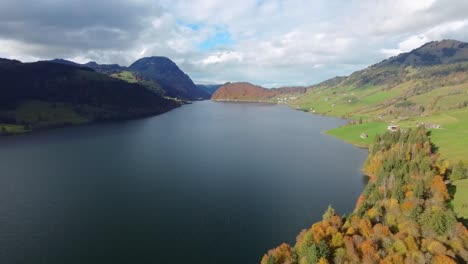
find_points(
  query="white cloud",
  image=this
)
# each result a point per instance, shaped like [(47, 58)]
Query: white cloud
[(223, 57), (280, 42)]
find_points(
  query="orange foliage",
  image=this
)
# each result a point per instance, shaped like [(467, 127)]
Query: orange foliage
[(409, 194), (365, 227), (381, 230), (283, 254), (442, 259), (392, 259), (319, 230), (336, 221), (438, 186), (407, 206), (368, 248), (360, 200)]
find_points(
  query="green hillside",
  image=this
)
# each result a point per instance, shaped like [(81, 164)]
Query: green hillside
[(133, 77), (429, 89)]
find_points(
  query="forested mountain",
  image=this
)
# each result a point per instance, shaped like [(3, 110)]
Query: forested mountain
[(45, 94), (248, 92), (173, 80), (432, 53), (159, 74), (402, 216)]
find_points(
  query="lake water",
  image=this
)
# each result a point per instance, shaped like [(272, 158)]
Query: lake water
[(205, 183)]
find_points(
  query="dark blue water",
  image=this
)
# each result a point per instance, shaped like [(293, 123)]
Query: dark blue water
[(205, 183)]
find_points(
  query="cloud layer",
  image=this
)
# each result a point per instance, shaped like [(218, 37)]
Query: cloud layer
[(267, 42)]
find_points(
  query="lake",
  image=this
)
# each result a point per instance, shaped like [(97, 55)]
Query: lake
[(205, 183)]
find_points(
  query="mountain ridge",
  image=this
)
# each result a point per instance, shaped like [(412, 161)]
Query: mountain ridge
[(161, 71)]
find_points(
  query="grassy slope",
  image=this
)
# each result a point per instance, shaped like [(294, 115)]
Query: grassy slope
[(125, 76), (378, 106)]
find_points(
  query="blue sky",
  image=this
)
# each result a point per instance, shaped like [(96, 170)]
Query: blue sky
[(266, 42)]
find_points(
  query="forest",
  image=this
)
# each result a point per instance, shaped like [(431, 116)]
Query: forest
[(402, 216)]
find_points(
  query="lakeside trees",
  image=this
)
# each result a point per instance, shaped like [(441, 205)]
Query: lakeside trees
[(402, 216)]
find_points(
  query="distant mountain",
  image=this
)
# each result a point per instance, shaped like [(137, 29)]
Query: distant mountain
[(248, 92), (427, 86), (173, 80), (105, 68), (432, 53), (46, 94), (159, 74), (209, 88)]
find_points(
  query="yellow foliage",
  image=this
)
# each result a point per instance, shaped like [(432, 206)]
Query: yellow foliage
[(436, 247), (350, 231), (373, 212), (392, 259), (323, 261), (393, 203), (411, 244), (409, 194), (365, 227), (337, 240), (331, 231)]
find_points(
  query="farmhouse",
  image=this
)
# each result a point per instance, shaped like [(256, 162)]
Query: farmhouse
[(393, 128)]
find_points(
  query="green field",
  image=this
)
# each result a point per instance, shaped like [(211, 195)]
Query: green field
[(125, 76), (12, 129), (460, 201), (352, 133), (451, 138)]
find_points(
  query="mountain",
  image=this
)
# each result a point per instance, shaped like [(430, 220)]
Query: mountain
[(105, 68), (425, 81), (248, 92), (172, 80), (46, 94), (159, 74), (432, 53), (209, 88), (427, 86)]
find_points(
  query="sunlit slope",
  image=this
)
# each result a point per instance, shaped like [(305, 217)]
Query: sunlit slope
[(427, 85)]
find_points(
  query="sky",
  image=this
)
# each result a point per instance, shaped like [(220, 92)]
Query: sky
[(267, 42)]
